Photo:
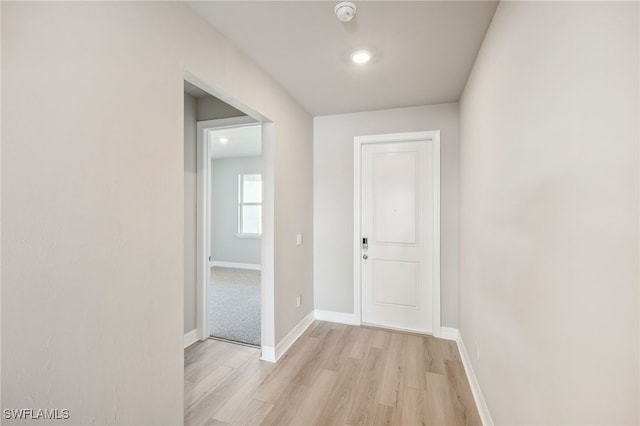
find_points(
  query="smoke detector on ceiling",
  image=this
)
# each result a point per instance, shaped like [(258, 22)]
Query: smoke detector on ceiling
[(345, 11)]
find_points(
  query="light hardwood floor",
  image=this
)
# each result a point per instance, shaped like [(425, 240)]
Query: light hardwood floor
[(334, 374)]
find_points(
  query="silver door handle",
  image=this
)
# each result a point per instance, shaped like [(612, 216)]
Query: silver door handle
[(365, 257)]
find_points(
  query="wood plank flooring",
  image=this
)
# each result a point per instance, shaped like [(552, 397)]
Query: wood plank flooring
[(334, 374)]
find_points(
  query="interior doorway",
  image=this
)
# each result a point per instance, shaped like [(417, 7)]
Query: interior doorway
[(209, 113), (235, 229)]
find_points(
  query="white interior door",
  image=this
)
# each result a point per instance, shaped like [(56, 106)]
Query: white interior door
[(400, 233)]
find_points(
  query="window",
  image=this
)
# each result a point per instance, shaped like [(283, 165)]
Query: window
[(250, 205)]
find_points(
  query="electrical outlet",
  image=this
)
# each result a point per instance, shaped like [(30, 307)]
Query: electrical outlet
[(477, 351), (298, 301)]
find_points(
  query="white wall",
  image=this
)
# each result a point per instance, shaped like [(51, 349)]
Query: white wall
[(190, 197), (93, 283), (549, 213), (226, 246), (333, 199)]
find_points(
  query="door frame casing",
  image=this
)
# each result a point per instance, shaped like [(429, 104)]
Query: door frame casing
[(358, 141)]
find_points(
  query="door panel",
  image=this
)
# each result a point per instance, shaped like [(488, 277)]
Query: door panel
[(394, 183), (398, 220), (396, 283)]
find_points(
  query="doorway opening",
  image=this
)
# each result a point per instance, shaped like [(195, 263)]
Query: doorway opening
[(228, 219), (235, 229)]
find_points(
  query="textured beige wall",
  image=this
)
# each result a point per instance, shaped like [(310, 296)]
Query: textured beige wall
[(293, 264), (333, 198), (93, 207), (549, 213)]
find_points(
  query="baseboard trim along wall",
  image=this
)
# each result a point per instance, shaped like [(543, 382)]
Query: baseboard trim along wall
[(338, 317), (273, 355), (449, 333), (268, 354), (483, 410), (293, 335), (190, 338), (236, 265)]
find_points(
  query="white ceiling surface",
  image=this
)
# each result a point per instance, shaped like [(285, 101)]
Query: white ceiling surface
[(423, 50), (242, 142)]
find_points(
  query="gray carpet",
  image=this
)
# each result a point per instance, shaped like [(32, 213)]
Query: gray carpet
[(234, 305)]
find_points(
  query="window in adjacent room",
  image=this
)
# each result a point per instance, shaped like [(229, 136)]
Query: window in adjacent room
[(250, 205)]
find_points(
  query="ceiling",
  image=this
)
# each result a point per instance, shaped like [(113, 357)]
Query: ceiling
[(423, 51), (241, 142)]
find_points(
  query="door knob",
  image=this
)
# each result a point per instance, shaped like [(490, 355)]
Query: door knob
[(365, 257)]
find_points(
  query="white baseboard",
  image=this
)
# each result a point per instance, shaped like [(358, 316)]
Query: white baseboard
[(338, 317), (483, 410), (268, 354), (449, 333), (191, 337), (236, 265), (274, 355), (271, 354)]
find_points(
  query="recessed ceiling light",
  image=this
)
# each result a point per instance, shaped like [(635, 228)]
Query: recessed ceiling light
[(223, 140), (361, 57)]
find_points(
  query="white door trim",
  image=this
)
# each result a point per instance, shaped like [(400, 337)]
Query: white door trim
[(224, 123), (268, 214), (434, 136)]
